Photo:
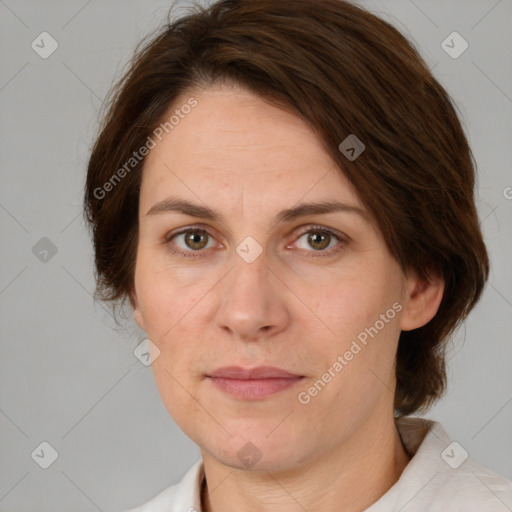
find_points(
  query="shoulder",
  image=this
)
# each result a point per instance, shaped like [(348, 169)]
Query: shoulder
[(441, 476), (183, 496), (471, 487)]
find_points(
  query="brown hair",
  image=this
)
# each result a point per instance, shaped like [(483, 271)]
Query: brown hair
[(344, 71)]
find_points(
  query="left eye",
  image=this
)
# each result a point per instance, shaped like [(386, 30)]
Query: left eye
[(319, 239)]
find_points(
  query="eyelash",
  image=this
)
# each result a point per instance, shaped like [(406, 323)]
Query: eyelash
[(194, 254)]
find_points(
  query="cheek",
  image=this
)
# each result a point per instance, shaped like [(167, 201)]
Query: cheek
[(170, 305), (167, 296), (361, 309), (346, 302)]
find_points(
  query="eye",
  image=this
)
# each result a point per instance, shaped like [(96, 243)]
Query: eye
[(320, 239), (193, 240)]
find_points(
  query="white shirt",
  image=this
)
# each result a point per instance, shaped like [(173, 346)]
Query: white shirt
[(440, 477)]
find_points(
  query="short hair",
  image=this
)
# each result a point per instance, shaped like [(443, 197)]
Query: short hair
[(344, 71)]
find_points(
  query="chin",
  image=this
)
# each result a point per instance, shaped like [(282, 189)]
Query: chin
[(258, 452), (251, 458)]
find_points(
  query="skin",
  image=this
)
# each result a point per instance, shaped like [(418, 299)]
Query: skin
[(297, 306)]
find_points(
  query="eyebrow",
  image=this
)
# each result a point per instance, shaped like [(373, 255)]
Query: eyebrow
[(176, 205)]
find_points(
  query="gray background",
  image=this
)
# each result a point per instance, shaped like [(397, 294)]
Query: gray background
[(67, 376)]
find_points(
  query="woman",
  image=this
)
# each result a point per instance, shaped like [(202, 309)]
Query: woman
[(284, 194)]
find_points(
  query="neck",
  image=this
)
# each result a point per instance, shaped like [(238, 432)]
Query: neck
[(355, 474)]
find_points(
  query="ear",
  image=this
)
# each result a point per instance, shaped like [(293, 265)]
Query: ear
[(422, 301), (137, 315)]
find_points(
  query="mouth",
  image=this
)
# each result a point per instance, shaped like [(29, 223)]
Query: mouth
[(252, 384)]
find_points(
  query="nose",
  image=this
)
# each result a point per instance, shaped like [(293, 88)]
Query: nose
[(253, 301)]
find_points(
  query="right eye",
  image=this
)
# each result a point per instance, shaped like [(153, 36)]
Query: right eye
[(193, 240)]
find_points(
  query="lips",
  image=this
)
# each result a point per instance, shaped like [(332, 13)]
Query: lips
[(252, 384), (261, 372)]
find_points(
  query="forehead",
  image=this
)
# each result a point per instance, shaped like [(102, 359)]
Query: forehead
[(234, 143)]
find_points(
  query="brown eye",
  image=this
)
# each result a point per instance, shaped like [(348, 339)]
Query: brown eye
[(196, 240), (190, 242), (319, 240)]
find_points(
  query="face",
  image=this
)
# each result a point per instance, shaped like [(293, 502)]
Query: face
[(233, 271)]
